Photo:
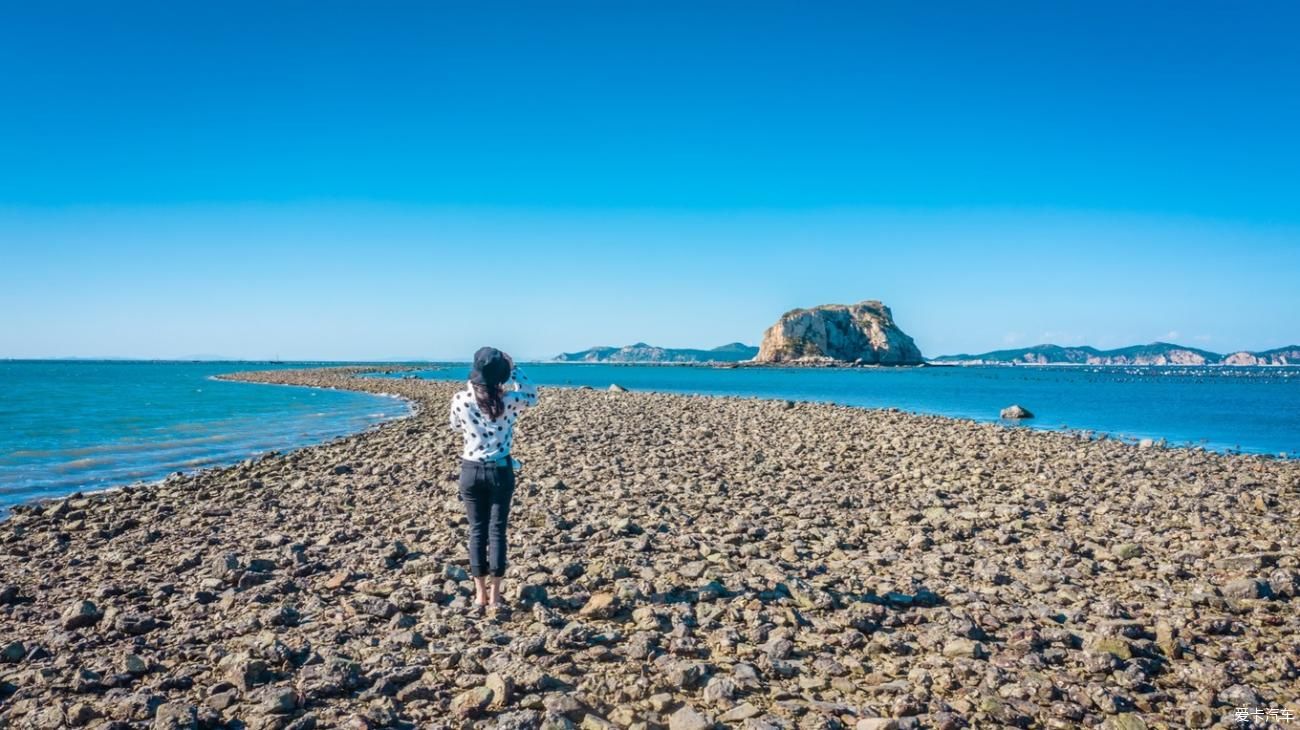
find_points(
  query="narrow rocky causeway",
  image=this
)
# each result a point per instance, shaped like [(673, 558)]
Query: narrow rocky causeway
[(676, 562)]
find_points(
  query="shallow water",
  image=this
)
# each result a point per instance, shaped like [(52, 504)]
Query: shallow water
[(84, 425), (1253, 410)]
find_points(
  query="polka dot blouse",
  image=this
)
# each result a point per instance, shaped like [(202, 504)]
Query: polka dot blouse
[(486, 439)]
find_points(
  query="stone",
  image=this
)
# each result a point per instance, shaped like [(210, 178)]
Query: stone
[(1245, 588), (592, 721), (1015, 413), (176, 716), (79, 615), (134, 624), (688, 718), (275, 700), (80, 714), (471, 702), (1125, 721), (245, 672), (13, 652), (501, 688), (742, 711), (616, 388), (600, 605), (135, 665), (964, 648), (1114, 646), (876, 723), (1126, 551), (857, 333), (1198, 716)]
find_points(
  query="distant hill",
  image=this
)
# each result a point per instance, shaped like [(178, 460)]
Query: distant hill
[(1156, 353), (641, 352)]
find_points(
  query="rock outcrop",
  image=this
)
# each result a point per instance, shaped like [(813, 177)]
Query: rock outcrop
[(1280, 356), (853, 333)]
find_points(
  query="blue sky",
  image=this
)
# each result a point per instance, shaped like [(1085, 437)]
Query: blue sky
[(333, 180)]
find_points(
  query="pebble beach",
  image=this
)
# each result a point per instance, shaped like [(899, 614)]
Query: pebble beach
[(682, 562)]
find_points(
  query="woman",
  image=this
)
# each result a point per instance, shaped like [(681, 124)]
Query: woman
[(485, 412)]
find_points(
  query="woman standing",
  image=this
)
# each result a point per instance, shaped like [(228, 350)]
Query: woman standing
[(485, 413)]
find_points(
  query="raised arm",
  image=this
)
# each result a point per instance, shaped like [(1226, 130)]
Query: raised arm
[(520, 390)]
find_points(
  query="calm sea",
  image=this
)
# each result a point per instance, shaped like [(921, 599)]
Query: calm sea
[(79, 425), (1253, 410), (84, 425)]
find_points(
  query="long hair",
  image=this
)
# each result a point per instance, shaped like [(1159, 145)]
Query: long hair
[(490, 400), (491, 369)]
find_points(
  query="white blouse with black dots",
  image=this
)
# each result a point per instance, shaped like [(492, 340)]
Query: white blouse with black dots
[(486, 439)]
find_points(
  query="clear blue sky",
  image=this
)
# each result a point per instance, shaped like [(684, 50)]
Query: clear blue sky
[(347, 180)]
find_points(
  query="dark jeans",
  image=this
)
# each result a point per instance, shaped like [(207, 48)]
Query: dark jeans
[(486, 490)]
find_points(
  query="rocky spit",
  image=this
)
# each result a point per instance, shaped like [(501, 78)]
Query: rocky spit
[(679, 562)]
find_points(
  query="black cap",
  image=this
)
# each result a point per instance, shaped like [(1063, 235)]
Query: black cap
[(490, 367)]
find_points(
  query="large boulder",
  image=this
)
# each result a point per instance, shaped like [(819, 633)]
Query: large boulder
[(864, 332)]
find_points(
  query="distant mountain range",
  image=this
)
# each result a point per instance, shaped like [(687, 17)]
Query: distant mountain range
[(1157, 353), (641, 352)]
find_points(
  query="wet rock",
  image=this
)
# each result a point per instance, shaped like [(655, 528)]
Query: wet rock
[(1015, 412)]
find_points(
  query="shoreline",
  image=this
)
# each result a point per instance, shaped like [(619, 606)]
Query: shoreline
[(411, 406), (732, 559), (1099, 433)]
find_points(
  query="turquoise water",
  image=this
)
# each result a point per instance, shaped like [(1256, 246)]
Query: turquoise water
[(1253, 410), (67, 426)]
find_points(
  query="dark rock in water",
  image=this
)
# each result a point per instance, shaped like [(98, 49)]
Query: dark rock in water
[(1015, 412), (862, 333)]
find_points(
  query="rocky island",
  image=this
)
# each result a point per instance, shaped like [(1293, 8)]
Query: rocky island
[(677, 561), (643, 353), (1156, 353), (862, 333)]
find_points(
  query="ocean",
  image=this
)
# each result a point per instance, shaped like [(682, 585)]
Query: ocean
[(69, 426)]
